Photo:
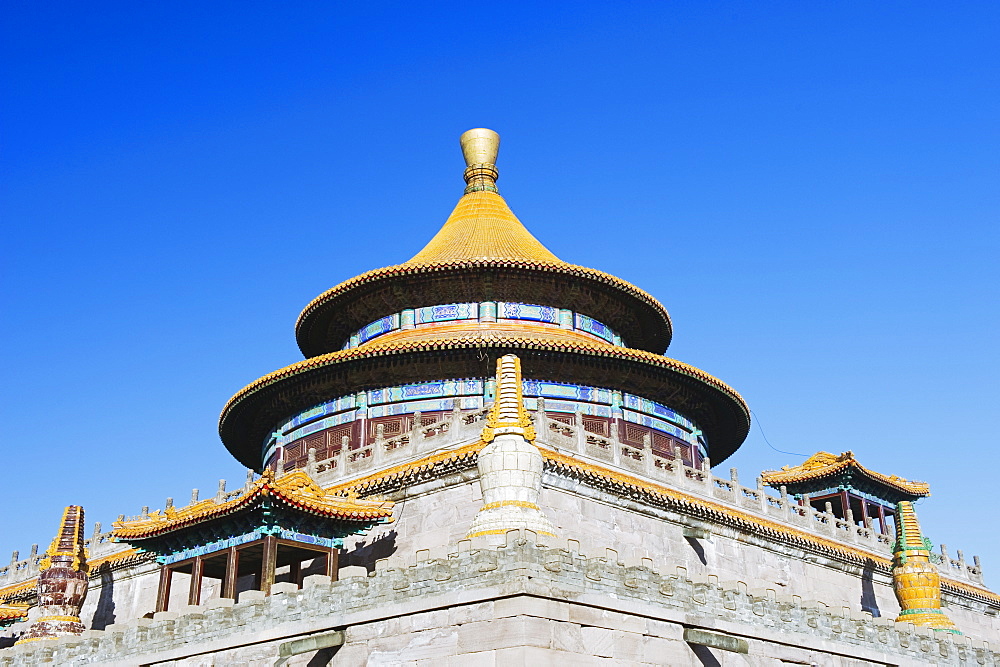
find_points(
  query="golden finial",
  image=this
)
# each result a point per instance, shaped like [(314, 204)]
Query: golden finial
[(480, 146)]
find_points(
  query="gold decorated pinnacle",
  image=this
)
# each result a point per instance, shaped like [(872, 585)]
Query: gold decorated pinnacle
[(480, 147)]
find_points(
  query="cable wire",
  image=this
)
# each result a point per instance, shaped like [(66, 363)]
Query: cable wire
[(756, 420)]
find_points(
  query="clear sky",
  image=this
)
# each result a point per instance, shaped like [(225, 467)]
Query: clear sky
[(811, 188)]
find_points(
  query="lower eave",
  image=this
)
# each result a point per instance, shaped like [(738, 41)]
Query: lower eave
[(251, 415)]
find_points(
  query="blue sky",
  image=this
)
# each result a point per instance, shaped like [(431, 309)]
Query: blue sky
[(809, 188)]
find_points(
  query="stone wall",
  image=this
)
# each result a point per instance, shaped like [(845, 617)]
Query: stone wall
[(515, 602)]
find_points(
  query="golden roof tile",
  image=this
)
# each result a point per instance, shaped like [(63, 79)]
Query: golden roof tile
[(825, 464), (295, 489), (474, 330), (482, 227)]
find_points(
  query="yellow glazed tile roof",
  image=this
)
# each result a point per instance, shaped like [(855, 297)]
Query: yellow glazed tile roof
[(824, 464), (295, 489), (482, 226), (8, 592), (473, 330)]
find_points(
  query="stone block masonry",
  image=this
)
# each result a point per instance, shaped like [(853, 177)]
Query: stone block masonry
[(519, 602)]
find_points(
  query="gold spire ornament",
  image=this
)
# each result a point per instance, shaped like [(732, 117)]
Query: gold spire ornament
[(480, 147), (914, 578)]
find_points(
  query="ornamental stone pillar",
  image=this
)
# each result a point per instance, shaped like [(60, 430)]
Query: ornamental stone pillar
[(510, 465), (914, 578), (62, 584)]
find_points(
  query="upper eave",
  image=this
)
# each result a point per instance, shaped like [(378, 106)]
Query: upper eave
[(330, 319)]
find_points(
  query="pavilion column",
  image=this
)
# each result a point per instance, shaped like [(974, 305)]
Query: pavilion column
[(295, 572), (194, 593), (232, 573), (163, 590), (881, 520), (269, 563), (846, 502), (332, 563)]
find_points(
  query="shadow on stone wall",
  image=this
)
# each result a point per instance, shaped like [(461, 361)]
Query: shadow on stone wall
[(104, 615), (365, 553), (868, 601), (698, 549), (704, 654)]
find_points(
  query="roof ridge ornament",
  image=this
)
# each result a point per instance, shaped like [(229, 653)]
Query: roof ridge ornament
[(480, 147)]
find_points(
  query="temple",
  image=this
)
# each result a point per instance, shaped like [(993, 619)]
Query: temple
[(486, 457)]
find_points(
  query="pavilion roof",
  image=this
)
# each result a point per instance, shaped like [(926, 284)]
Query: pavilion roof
[(295, 490), (823, 465)]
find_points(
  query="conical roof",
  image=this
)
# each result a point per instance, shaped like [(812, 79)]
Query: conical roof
[(483, 227)]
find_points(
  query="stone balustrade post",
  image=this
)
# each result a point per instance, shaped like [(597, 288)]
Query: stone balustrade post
[(311, 462), (678, 465), (194, 496), (417, 431), (220, 495)]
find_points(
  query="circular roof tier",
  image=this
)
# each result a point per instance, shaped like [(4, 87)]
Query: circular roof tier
[(252, 414), (329, 320), (482, 253)]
